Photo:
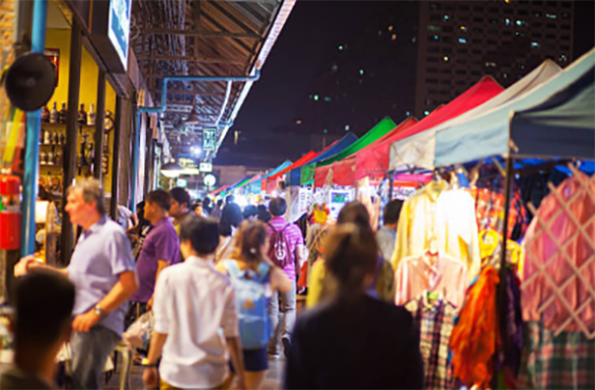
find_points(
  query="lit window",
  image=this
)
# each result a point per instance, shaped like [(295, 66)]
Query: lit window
[(334, 68), (361, 72), (507, 22), (563, 58), (408, 113), (341, 47), (464, 28), (551, 16), (393, 37), (446, 19), (490, 64), (298, 122), (445, 59), (414, 39), (535, 45), (347, 127), (325, 131), (521, 23), (315, 98), (462, 40), (426, 112), (433, 28), (328, 99), (508, 1), (390, 28), (505, 75)]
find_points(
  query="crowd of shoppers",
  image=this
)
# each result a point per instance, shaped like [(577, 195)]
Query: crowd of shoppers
[(221, 283)]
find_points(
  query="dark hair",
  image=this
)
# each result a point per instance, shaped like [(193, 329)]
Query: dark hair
[(207, 205), (354, 212), (229, 199), (43, 302), (250, 211), (203, 234), (250, 239), (263, 213), (277, 207), (220, 202), (392, 211), (181, 196), (161, 198), (351, 254), (231, 216)]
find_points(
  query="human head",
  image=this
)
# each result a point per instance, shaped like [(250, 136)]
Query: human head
[(392, 211), (250, 213), (199, 236), (197, 209), (263, 213), (229, 199), (85, 202), (207, 205), (43, 303), (220, 203), (180, 202), (277, 207), (157, 204), (354, 212), (351, 254), (230, 217), (253, 242)]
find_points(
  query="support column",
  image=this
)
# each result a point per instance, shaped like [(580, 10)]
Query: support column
[(116, 159), (70, 149), (99, 125)]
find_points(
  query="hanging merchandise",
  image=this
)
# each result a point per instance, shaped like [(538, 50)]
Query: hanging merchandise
[(449, 216), (559, 258), (434, 317), (476, 337), (10, 212), (490, 243)]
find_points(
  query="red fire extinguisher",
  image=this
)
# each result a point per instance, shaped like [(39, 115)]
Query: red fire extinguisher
[(10, 212)]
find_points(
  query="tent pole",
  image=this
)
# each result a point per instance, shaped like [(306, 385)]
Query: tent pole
[(390, 176)]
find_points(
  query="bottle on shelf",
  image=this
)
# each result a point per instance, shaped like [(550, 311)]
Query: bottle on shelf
[(63, 114), (45, 114), (58, 157), (47, 137), (62, 139), (50, 158), (91, 116), (54, 114), (43, 157), (82, 115)]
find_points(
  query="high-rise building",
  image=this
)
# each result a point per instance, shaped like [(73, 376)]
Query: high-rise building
[(460, 41), (412, 56)]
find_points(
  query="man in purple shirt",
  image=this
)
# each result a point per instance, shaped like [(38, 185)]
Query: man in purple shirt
[(102, 270), (160, 249), (278, 208)]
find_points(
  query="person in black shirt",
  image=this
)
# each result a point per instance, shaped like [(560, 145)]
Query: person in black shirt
[(354, 341)]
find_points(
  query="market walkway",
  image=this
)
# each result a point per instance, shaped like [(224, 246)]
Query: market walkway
[(272, 382)]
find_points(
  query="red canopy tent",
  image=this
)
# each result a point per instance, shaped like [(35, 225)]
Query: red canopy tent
[(374, 159), (219, 190)]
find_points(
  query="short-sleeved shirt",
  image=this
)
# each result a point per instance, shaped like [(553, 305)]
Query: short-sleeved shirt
[(295, 238), (101, 254), (162, 243), (195, 307)]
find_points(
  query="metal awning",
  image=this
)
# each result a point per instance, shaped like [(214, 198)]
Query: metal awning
[(203, 38)]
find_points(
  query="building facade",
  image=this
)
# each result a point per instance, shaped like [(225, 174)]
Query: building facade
[(460, 41)]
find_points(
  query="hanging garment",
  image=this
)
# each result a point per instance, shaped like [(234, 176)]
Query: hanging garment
[(489, 209), (456, 228), (564, 361), (559, 272), (490, 245), (435, 322), (416, 274), (476, 337), (416, 227)]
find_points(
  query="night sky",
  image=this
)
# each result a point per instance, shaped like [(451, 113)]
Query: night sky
[(268, 115)]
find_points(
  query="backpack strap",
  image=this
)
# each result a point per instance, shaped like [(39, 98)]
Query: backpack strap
[(232, 269), (263, 271)]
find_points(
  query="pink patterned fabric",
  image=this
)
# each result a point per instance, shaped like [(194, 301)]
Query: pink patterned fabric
[(559, 272)]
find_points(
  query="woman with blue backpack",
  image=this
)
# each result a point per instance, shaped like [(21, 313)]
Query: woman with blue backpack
[(254, 278)]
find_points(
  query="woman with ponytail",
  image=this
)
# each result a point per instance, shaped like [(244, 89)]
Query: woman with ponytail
[(254, 278), (354, 340)]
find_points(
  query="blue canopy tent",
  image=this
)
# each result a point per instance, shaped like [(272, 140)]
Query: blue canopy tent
[(296, 174)]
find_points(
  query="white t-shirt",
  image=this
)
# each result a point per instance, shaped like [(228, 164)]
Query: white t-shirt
[(195, 306)]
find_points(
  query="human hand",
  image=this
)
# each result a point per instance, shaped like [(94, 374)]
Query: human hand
[(84, 322), (150, 378), (26, 263)]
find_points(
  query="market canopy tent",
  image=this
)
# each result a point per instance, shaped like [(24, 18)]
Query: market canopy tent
[(281, 167), (348, 139), (418, 150), (373, 160), (490, 135), (273, 180)]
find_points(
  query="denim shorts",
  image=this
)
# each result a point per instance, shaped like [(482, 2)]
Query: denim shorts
[(254, 360)]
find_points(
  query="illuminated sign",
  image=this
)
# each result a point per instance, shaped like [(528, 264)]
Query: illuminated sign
[(119, 27), (209, 180), (209, 140), (182, 183), (206, 167)]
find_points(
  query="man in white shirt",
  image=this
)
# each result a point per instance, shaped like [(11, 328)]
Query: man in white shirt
[(387, 234), (196, 322)]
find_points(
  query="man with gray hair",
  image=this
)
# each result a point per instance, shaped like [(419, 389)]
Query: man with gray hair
[(103, 272)]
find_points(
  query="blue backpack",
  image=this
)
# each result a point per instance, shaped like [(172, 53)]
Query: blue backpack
[(252, 300)]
